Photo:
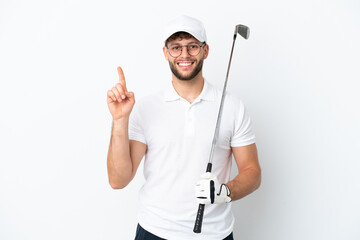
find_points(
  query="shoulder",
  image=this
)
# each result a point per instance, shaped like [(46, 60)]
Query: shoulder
[(233, 106), (230, 97), (233, 99)]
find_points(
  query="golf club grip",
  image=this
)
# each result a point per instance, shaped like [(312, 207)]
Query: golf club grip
[(199, 218), (200, 213)]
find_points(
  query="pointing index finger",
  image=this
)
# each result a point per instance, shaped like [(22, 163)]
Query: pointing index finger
[(121, 77)]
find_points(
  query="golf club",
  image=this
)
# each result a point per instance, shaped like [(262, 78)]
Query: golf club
[(244, 31)]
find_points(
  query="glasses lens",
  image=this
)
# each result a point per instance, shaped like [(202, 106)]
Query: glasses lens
[(175, 50), (193, 49)]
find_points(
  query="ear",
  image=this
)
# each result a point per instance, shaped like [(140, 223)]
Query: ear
[(206, 51), (165, 50)]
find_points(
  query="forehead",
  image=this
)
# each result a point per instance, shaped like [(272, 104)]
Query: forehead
[(182, 41)]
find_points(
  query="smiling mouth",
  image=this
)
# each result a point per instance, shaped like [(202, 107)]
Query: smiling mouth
[(185, 64)]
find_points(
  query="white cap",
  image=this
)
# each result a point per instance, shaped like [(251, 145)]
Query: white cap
[(185, 24)]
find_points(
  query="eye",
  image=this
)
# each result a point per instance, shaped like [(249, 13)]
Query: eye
[(193, 46)]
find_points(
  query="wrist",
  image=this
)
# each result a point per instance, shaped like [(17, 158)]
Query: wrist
[(225, 191), (120, 120), (120, 125)]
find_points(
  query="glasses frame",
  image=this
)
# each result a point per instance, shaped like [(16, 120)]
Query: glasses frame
[(187, 49)]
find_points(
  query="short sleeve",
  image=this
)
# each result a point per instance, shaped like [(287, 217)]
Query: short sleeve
[(243, 133), (136, 131)]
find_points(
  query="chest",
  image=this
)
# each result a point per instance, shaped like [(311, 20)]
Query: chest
[(177, 123)]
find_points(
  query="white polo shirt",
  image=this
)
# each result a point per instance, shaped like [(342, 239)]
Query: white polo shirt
[(178, 136)]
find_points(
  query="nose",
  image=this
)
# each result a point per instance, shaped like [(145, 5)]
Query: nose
[(184, 52)]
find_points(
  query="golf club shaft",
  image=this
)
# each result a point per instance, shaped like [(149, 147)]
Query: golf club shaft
[(218, 121), (200, 213)]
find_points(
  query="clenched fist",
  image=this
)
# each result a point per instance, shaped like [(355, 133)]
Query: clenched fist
[(119, 100)]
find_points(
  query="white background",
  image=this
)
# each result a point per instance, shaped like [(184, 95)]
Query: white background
[(297, 74)]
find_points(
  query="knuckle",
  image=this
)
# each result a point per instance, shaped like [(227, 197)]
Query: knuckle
[(119, 87)]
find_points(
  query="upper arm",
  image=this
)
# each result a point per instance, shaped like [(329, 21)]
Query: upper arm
[(137, 152), (246, 157)]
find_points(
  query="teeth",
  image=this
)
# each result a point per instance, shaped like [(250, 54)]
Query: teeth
[(185, 63)]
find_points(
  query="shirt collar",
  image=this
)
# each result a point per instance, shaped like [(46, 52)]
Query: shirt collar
[(207, 93)]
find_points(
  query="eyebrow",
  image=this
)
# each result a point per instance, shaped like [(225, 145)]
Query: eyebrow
[(174, 44)]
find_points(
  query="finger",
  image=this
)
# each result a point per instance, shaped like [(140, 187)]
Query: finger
[(200, 183), (116, 93), (121, 90), (111, 96), (201, 201), (121, 77), (129, 94), (200, 195), (199, 188), (206, 175), (204, 182)]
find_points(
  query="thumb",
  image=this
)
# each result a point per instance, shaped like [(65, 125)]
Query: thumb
[(206, 175), (129, 94)]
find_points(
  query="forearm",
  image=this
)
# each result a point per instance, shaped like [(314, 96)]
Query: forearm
[(119, 161), (244, 183)]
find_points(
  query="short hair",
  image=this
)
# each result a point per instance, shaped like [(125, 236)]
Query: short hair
[(181, 35)]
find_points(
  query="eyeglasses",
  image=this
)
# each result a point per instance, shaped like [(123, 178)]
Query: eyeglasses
[(193, 49)]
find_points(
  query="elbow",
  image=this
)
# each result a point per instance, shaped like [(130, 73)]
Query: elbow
[(258, 180), (118, 181), (117, 185)]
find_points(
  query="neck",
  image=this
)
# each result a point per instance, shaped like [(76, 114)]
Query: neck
[(189, 89)]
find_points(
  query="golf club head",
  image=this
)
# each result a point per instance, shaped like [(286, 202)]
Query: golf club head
[(243, 30)]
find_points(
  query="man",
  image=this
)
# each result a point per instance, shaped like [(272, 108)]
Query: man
[(173, 129)]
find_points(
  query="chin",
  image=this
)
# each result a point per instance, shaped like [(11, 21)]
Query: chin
[(191, 75), (186, 78)]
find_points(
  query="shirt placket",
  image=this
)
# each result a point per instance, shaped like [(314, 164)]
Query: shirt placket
[(189, 120)]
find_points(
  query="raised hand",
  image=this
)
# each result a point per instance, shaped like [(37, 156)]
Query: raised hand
[(119, 100)]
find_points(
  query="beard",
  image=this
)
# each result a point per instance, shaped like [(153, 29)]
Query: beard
[(192, 75)]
